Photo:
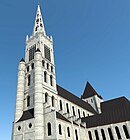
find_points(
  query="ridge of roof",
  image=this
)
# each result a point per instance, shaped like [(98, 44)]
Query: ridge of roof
[(73, 98), (89, 91)]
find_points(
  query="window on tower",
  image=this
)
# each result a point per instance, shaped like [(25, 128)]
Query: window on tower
[(51, 68), (43, 63), (45, 76), (47, 53), (31, 52), (27, 68), (51, 80), (28, 101), (49, 128), (32, 66), (53, 98), (29, 80)]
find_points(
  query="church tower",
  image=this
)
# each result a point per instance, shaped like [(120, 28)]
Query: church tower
[(36, 83)]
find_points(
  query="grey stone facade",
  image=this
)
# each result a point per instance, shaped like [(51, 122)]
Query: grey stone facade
[(44, 110)]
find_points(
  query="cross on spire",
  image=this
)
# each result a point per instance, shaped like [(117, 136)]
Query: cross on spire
[(39, 25)]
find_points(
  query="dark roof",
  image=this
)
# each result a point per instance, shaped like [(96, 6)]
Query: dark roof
[(74, 99), (113, 111), (38, 50), (22, 60), (29, 114), (89, 92), (61, 117)]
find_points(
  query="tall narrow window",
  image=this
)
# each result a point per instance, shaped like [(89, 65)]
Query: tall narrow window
[(32, 66), (118, 132), (47, 53), (49, 128), (43, 63), (60, 131), (110, 134), (45, 76), (61, 105), (73, 110), (31, 52), (46, 97), (53, 98), (68, 131), (126, 131), (47, 65), (79, 113), (76, 134), (96, 135), (29, 80), (28, 101), (90, 135), (67, 107), (83, 113), (103, 134), (51, 80), (27, 68), (51, 68)]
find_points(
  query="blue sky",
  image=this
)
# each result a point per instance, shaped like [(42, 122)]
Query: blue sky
[(91, 42)]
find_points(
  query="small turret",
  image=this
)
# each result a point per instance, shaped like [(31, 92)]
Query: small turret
[(92, 97)]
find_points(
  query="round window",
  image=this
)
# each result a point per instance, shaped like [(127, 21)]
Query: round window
[(19, 128), (30, 125)]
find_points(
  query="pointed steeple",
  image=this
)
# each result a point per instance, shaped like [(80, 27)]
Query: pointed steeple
[(39, 25)]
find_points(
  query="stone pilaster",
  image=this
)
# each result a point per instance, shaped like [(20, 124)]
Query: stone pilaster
[(38, 102)]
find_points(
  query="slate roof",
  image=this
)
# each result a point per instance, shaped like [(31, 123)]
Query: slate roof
[(74, 99), (113, 111), (29, 114), (89, 92), (61, 117)]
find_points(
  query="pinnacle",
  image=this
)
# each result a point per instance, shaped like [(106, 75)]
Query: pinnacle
[(39, 25)]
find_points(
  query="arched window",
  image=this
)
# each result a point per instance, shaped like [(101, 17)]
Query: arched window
[(126, 132), (46, 97), (51, 80), (49, 128), (60, 131), (61, 105), (51, 68), (79, 113), (73, 110), (45, 76), (76, 134), (43, 63), (68, 131), (103, 134), (47, 66), (28, 101), (27, 68), (118, 132), (83, 113), (96, 135), (32, 66), (53, 98), (67, 107), (90, 135), (29, 80), (110, 134)]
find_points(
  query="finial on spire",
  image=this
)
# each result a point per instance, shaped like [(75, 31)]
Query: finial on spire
[(39, 25)]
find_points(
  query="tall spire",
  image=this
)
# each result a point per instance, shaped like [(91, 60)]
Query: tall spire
[(39, 25)]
